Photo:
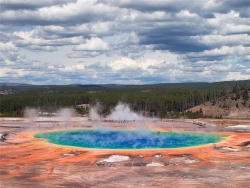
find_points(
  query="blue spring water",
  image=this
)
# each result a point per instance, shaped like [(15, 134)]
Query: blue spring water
[(128, 139)]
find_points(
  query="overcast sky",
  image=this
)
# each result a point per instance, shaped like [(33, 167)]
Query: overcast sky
[(124, 41)]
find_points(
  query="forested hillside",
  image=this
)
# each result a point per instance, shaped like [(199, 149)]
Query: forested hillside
[(162, 100)]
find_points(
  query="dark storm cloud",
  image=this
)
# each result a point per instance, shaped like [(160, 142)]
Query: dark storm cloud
[(176, 28), (32, 18), (178, 44), (30, 4), (174, 37), (242, 6), (204, 8), (194, 58), (148, 6)]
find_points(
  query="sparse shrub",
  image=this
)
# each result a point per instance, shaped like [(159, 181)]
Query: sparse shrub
[(245, 96), (217, 117)]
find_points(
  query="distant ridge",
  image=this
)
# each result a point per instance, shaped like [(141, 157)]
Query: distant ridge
[(152, 87), (14, 84), (86, 86)]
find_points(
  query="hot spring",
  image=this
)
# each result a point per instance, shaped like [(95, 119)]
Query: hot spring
[(128, 139)]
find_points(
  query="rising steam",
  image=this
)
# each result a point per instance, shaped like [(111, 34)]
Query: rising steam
[(65, 114), (93, 113), (31, 115), (121, 112)]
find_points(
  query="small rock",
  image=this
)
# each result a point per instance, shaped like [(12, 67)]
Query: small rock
[(229, 149), (68, 154), (158, 155), (189, 161), (115, 158), (226, 148), (155, 164)]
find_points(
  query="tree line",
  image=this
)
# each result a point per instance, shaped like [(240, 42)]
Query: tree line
[(149, 100)]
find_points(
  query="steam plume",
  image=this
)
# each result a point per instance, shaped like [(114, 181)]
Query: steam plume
[(122, 112)]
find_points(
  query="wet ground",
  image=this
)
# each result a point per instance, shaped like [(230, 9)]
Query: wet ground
[(29, 162)]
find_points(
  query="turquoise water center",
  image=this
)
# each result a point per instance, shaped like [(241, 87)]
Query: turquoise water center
[(128, 139)]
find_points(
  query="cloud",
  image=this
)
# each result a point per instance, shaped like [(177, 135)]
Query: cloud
[(93, 44), (6, 47), (237, 75), (7, 37), (30, 40), (204, 8), (81, 11), (29, 4), (225, 52), (124, 41), (85, 54), (88, 30), (224, 40), (124, 70)]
